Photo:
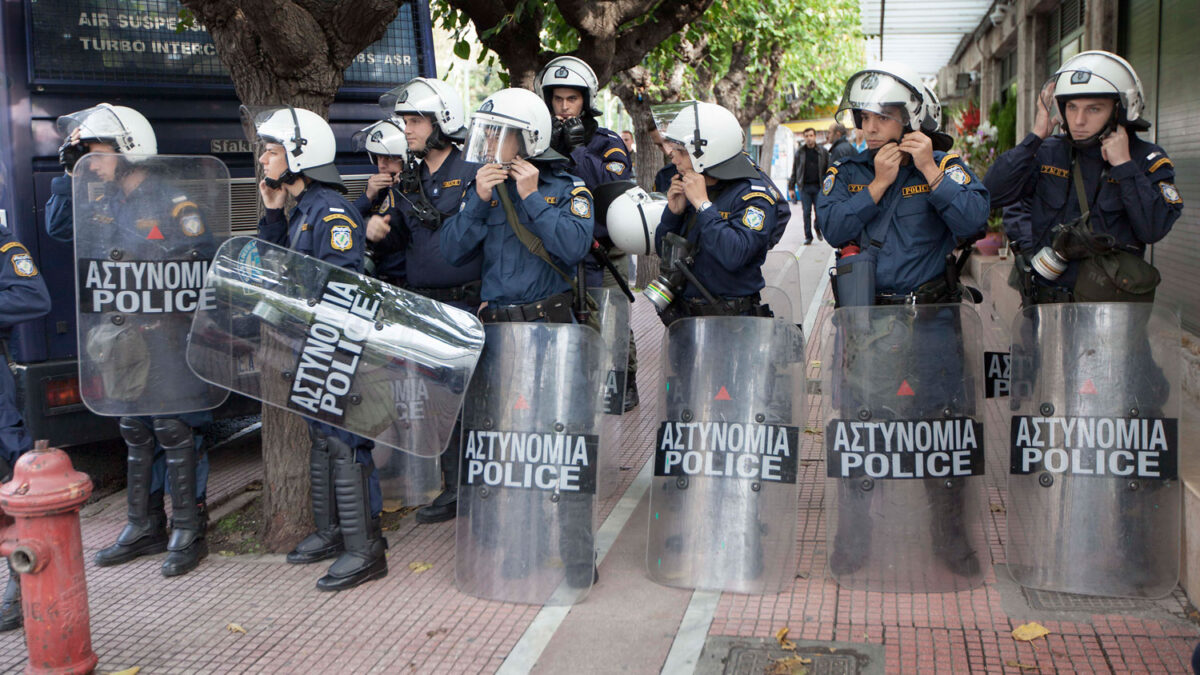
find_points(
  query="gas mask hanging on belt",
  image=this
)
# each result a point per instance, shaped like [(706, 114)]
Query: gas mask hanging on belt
[(414, 193)]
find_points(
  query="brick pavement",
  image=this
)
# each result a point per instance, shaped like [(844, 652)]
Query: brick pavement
[(420, 623)]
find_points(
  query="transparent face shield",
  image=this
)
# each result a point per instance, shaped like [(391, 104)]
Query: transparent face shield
[(877, 93), (492, 142), (98, 123), (385, 138), (674, 140)]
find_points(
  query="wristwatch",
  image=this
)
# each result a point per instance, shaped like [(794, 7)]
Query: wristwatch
[(703, 206)]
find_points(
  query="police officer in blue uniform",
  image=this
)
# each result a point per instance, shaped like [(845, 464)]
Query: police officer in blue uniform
[(23, 297), (720, 214), (598, 156), (1128, 183), (298, 160), (433, 185), (909, 203), (164, 451), (385, 144)]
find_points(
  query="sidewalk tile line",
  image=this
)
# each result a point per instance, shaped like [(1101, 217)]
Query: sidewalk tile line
[(693, 631), (525, 654), (814, 306)]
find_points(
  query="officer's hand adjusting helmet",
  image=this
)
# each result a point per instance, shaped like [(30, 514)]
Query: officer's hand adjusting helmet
[(434, 99), (506, 118), (711, 135), (1100, 74), (383, 138), (895, 91), (307, 141), (572, 72), (125, 129)]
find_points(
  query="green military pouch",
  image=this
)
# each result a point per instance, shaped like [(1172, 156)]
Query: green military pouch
[(1116, 276)]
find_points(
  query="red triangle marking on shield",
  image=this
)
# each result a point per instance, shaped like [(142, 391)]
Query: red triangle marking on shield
[(905, 390), (723, 395), (521, 403), (154, 233), (1088, 387)]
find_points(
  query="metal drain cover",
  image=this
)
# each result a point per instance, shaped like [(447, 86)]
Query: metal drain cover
[(752, 656), (1053, 601)]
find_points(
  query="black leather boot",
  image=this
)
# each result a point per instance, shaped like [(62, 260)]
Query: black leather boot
[(445, 506), (365, 556), (11, 617), (145, 532), (326, 542), (189, 514)]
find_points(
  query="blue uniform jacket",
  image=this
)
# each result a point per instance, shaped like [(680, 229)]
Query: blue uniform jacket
[(323, 225), (59, 223), (389, 256), (734, 235), (602, 160), (783, 210), (662, 179), (559, 212), (23, 296), (445, 189), (924, 226), (1137, 203)]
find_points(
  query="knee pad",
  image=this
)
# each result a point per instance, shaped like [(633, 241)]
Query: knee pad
[(135, 431), (172, 432)]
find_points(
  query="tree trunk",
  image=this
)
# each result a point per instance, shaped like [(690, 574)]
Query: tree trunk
[(768, 147), (287, 511)]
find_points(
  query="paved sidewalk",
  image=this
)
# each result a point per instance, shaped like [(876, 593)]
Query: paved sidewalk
[(419, 623)]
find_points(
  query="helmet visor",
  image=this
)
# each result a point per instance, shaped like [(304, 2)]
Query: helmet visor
[(877, 93), (385, 138), (98, 123), (493, 142)]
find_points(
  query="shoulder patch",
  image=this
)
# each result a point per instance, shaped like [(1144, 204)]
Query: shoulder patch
[(11, 245), (612, 150), (946, 160), (827, 184), (583, 190), (833, 169), (340, 216), (341, 238), (23, 265), (751, 195), (958, 174), (615, 167), (180, 206), (1051, 170), (753, 218), (581, 205), (1159, 164), (1170, 193), (192, 225)]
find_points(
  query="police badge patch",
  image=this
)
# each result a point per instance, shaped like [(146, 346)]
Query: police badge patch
[(340, 238), (615, 167), (827, 184), (23, 265), (753, 218), (1170, 193), (581, 207), (958, 174), (191, 225)]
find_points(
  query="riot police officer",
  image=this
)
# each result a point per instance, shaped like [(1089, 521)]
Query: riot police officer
[(907, 203), (434, 183), (298, 160), (23, 297), (138, 204), (1128, 184), (387, 148), (720, 214), (598, 156)]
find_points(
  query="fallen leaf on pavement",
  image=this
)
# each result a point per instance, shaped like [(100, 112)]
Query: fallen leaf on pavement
[(785, 643), (436, 632), (813, 430), (814, 364), (1022, 666), (392, 505), (998, 508), (235, 628), (128, 671), (418, 567), (226, 554), (1029, 632)]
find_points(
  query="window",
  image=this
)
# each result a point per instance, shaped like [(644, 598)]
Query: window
[(1064, 33)]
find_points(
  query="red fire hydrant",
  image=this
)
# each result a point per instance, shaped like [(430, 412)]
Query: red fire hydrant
[(39, 531)]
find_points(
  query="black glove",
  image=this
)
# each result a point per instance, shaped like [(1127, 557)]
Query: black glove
[(69, 154), (568, 133), (1073, 241)]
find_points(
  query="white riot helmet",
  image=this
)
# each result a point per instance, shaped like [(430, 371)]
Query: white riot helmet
[(509, 114), (384, 138), (126, 129), (1100, 74), (931, 117), (434, 99), (572, 72), (307, 140), (879, 87), (632, 218), (712, 137)]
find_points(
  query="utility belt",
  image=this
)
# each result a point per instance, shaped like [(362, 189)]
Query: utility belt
[(933, 292), (554, 309), (467, 293), (749, 305)]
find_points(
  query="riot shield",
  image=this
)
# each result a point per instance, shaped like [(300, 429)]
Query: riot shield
[(410, 479), (781, 272), (904, 449), (724, 495), (1094, 496), (614, 330), (334, 346), (527, 479), (146, 229)]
